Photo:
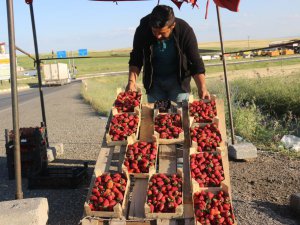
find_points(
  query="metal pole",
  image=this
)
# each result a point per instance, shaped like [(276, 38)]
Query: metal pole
[(225, 76), (14, 97), (38, 67)]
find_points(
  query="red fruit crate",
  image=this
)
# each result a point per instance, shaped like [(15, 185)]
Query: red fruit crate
[(177, 212), (107, 205), (213, 207), (212, 157), (124, 99), (169, 139), (143, 155), (202, 111), (111, 141)]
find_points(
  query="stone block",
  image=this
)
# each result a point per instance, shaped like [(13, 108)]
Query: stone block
[(50, 155), (295, 203), (30, 211), (59, 148), (244, 150)]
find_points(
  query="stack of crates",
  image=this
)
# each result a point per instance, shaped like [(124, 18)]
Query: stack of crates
[(33, 147)]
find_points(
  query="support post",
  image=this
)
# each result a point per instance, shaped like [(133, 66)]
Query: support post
[(14, 98), (225, 76), (38, 68)]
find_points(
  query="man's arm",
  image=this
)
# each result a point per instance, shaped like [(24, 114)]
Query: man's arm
[(201, 86), (133, 74)]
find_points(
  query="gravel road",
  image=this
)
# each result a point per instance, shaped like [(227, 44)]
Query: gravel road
[(71, 122), (77, 126)]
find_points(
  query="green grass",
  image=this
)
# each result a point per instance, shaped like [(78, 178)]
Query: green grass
[(101, 92), (250, 65), (118, 61)]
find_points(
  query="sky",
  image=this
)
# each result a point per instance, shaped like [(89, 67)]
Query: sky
[(75, 24)]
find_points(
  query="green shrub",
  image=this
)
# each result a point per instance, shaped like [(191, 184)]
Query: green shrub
[(276, 96)]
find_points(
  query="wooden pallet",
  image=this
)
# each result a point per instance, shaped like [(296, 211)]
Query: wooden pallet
[(171, 157)]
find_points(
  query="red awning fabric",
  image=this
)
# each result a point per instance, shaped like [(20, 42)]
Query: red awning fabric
[(232, 5)]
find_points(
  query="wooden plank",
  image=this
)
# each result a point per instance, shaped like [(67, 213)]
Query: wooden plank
[(188, 211), (147, 124), (222, 124), (91, 221), (187, 197), (189, 221), (167, 159), (117, 222), (141, 222), (166, 222), (104, 158), (136, 210)]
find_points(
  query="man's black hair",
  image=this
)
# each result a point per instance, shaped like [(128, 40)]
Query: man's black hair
[(161, 16)]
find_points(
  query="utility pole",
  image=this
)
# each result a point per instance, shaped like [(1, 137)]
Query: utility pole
[(248, 41)]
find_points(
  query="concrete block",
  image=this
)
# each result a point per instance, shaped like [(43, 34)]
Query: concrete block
[(295, 203), (244, 150), (50, 155), (54, 151), (30, 211), (59, 148)]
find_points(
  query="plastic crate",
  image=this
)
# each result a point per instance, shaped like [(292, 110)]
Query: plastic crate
[(59, 178), (31, 162)]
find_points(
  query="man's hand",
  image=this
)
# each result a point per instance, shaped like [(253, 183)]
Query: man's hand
[(201, 85), (203, 93), (131, 86), (133, 74)]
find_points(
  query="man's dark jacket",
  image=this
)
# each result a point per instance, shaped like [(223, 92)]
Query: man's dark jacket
[(189, 60)]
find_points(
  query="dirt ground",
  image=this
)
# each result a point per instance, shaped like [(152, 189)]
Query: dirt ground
[(261, 189)]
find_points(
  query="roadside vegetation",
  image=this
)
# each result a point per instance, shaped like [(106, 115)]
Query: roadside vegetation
[(264, 109)]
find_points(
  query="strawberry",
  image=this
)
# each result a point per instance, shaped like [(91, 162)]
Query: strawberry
[(212, 208)]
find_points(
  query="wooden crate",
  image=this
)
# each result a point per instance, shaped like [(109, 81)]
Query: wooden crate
[(119, 210), (178, 211), (201, 125), (224, 188), (137, 109), (163, 141), (133, 136), (152, 169), (194, 183), (191, 99)]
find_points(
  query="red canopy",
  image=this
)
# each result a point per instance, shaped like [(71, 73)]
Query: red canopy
[(232, 5)]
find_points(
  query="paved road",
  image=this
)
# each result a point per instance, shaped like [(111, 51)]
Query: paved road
[(28, 94), (71, 122)]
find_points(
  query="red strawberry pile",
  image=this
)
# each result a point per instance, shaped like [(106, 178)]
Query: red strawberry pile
[(207, 138), (126, 101), (168, 126), (212, 208), (203, 112), (140, 156), (122, 126), (207, 169), (108, 190), (164, 193)]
